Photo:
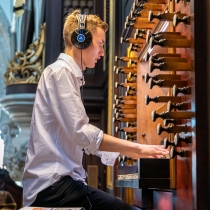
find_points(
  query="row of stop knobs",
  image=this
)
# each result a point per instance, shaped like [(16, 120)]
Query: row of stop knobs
[(163, 62)]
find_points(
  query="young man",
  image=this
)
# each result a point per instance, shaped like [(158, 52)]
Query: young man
[(60, 132)]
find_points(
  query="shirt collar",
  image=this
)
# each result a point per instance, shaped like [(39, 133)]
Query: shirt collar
[(70, 61)]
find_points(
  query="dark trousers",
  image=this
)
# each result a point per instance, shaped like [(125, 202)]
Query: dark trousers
[(70, 193)]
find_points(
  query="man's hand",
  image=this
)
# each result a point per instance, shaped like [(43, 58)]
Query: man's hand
[(150, 151), (130, 149)]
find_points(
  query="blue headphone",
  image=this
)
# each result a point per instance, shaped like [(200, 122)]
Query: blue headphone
[(81, 38)]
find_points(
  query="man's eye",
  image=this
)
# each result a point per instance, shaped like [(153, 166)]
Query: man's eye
[(101, 44)]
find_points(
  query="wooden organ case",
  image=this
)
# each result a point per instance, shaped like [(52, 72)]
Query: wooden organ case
[(155, 104)]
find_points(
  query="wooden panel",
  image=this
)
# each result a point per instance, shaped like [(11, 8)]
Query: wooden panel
[(183, 198), (201, 141), (92, 171), (144, 120)]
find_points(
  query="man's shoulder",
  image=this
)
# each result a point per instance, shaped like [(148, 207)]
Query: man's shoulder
[(59, 65)]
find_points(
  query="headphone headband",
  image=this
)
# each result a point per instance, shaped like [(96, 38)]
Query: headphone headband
[(81, 21)]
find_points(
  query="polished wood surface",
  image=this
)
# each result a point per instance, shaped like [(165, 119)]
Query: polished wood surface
[(189, 190)]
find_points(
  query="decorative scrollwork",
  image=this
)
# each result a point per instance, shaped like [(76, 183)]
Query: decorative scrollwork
[(26, 67)]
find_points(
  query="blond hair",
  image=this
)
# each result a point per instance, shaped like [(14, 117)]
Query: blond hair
[(71, 23)]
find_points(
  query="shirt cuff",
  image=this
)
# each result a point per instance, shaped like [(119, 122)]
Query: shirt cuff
[(108, 158), (95, 140)]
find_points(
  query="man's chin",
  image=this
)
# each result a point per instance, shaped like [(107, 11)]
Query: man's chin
[(90, 66)]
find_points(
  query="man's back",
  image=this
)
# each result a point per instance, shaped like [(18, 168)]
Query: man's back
[(53, 150)]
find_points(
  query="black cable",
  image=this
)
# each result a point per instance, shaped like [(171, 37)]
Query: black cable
[(87, 193), (82, 79)]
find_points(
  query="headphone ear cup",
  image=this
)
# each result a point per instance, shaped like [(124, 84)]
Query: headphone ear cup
[(81, 44)]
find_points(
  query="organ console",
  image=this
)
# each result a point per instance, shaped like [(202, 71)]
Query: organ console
[(159, 52)]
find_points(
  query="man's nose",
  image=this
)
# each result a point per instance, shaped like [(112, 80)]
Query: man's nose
[(101, 53)]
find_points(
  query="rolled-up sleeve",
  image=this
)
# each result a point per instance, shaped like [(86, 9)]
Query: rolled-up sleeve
[(67, 106)]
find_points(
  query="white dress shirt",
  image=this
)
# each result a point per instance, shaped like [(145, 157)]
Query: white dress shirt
[(59, 131)]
